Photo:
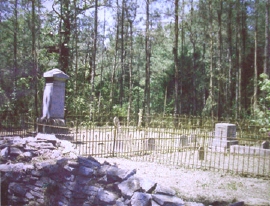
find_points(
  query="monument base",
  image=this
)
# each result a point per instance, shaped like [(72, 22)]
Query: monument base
[(219, 145), (53, 126)]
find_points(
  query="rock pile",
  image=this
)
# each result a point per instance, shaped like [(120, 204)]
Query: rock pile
[(47, 171)]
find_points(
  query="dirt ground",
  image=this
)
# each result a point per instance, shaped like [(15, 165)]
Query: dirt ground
[(202, 186)]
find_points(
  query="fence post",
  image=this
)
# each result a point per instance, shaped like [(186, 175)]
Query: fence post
[(116, 124)]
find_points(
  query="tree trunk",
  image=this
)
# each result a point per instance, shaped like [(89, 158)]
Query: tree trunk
[(211, 96), (65, 30), (15, 64), (92, 95), (76, 48), (238, 95), (175, 53), (255, 57), (122, 75), (228, 97), (130, 72), (34, 56), (115, 57), (219, 66), (266, 44), (147, 65)]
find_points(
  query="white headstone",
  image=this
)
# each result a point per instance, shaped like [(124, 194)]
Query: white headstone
[(225, 131), (54, 94), (225, 136)]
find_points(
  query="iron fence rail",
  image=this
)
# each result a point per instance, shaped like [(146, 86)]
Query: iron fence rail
[(188, 148), (188, 145)]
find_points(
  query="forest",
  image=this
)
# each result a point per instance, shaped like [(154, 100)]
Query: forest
[(170, 57)]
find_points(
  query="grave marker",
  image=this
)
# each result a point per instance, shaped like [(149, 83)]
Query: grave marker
[(225, 136), (53, 110)]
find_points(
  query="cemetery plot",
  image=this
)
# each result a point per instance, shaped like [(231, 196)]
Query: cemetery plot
[(186, 148)]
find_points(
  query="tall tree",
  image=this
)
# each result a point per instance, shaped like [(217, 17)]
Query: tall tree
[(114, 67), (175, 53), (15, 42), (122, 73), (93, 63), (266, 63), (131, 14), (34, 56), (147, 63), (229, 93), (219, 62), (255, 57)]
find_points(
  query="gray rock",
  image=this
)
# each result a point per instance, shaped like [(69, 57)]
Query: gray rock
[(66, 146), (30, 139), (106, 197), (265, 144), (89, 162), (193, 204), (141, 199), (40, 201), (147, 185), (56, 154), (3, 144), (11, 139), (103, 180), (82, 180), (73, 164), (47, 137), (51, 169), (5, 168), (91, 190), (102, 170), (17, 189), (32, 146), (37, 194), (115, 174), (44, 182), (41, 165), (120, 202), (67, 193), (129, 186), (85, 171), (153, 203), (37, 173), (70, 185), (62, 162), (29, 196), (18, 142), (15, 167), (15, 151), (14, 200), (44, 145), (27, 154), (238, 204), (4, 152), (164, 190), (63, 201), (167, 200)]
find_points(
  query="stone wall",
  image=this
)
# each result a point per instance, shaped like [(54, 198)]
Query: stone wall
[(44, 170)]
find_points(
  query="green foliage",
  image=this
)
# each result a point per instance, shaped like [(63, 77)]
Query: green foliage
[(119, 111), (262, 112), (119, 51)]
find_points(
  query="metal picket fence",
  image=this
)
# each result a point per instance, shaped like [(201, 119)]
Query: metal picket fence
[(188, 148), (186, 142)]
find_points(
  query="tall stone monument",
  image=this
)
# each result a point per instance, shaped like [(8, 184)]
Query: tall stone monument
[(53, 112), (225, 136)]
